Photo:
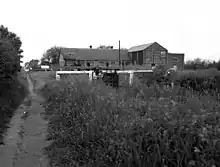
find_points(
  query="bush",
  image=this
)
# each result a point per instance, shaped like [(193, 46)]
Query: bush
[(92, 125), (11, 96), (12, 81)]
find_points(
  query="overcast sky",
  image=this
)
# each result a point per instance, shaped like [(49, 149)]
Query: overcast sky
[(187, 26)]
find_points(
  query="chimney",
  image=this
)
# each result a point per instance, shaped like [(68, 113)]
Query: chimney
[(90, 46)]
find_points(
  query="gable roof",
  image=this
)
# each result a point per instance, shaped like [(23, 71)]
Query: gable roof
[(139, 47), (142, 47), (94, 54)]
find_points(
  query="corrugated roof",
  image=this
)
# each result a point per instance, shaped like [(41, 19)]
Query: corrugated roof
[(139, 47), (94, 54)]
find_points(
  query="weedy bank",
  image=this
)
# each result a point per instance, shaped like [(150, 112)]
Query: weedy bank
[(93, 125), (12, 93)]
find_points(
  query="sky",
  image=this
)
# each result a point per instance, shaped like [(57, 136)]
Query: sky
[(191, 27)]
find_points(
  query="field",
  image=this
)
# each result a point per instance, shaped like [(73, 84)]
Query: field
[(95, 125)]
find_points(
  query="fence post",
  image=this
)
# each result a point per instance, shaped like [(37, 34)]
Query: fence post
[(90, 75), (131, 77), (57, 76)]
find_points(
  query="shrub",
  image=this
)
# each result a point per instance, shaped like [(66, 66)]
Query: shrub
[(11, 96)]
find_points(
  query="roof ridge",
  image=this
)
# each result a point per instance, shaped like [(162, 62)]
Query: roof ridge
[(140, 47), (94, 49)]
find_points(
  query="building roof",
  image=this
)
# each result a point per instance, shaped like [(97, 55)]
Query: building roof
[(139, 47), (176, 54), (94, 54), (143, 47)]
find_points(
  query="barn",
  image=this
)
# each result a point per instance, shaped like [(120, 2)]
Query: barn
[(152, 54)]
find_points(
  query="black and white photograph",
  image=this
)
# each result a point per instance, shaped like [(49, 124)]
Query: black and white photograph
[(110, 83)]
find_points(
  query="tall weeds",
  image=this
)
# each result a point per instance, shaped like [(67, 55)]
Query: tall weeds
[(92, 125), (12, 94)]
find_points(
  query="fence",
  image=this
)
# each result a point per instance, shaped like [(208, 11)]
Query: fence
[(91, 73)]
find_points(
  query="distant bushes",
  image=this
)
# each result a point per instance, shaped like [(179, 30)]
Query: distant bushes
[(92, 125), (201, 81)]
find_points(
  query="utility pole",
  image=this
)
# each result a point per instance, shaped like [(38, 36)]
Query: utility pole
[(153, 58), (119, 54), (153, 55)]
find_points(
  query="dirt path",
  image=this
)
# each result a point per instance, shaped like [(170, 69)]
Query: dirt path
[(25, 139)]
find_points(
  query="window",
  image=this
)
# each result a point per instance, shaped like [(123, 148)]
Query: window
[(153, 64), (127, 62), (163, 53), (114, 63), (71, 53), (175, 59)]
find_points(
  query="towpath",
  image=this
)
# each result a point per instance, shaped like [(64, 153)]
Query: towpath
[(25, 139)]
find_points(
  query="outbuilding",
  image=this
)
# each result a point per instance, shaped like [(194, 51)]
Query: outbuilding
[(153, 54)]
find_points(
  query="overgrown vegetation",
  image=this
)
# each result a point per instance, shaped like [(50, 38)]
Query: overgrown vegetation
[(12, 81), (92, 125)]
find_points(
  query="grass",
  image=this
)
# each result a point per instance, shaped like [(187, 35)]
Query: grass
[(12, 95), (94, 125), (45, 75)]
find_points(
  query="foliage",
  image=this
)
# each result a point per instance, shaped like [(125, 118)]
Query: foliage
[(201, 64), (11, 96), (33, 64), (108, 47), (52, 54), (136, 67), (105, 47), (8, 61), (12, 39), (26, 65), (93, 125), (12, 89)]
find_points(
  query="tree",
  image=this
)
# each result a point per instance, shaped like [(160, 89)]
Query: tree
[(33, 64), (15, 42), (198, 64), (8, 60), (201, 64), (217, 65), (105, 47), (52, 55), (26, 65)]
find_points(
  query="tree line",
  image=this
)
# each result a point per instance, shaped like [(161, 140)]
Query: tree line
[(201, 64)]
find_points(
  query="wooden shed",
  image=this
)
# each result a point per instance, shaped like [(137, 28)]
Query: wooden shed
[(148, 54), (153, 54)]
